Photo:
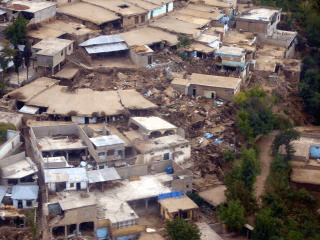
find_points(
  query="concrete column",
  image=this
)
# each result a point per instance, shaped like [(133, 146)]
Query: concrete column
[(67, 156), (65, 230), (78, 229), (147, 203)]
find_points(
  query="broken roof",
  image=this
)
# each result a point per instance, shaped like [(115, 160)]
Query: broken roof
[(172, 24), (108, 140), (208, 80), (89, 12), (65, 175), (17, 166), (260, 14), (27, 92), (176, 204), (103, 175), (118, 6), (160, 143), (30, 6), (152, 123), (58, 99), (25, 192), (148, 36), (58, 28)]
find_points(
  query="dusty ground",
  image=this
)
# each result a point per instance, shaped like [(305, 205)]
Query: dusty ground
[(11, 233)]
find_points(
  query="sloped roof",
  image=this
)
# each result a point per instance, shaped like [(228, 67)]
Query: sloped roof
[(103, 39), (103, 175), (65, 175), (25, 192), (3, 191)]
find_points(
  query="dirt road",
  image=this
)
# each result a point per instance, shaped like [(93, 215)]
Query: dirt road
[(264, 145)]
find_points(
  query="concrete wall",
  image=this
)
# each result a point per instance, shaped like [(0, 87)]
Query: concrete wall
[(44, 15), (44, 61), (159, 167), (24, 203), (134, 20), (116, 156), (10, 145), (178, 153), (40, 132), (224, 93), (78, 215), (252, 26), (134, 170), (59, 57), (141, 59), (83, 186)]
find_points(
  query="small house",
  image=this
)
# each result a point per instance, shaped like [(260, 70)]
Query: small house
[(51, 53), (259, 20), (25, 196), (61, 179), (34, 11), (141, 55), (109, 148), (182, 207), (208, 86)]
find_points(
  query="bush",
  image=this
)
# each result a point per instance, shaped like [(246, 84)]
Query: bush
[(179, 229), (4, 127), (232, 214)]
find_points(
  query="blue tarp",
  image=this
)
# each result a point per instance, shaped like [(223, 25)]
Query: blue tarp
[(208, 135), (315, 151), (102, 233), (170, 195)]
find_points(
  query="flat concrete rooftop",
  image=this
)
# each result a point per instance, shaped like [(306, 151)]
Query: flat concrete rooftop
[(152, 123), (89, 12), (262, 14), (60, 143), (30, 6)]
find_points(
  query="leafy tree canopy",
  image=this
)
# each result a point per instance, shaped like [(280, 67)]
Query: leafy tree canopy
[(180, 229), (16, 33)]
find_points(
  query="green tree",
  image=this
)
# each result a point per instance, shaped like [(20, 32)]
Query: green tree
[(180, 229), (16, 33), (18, 61), (27, 53), (254, 115), (267, 226), (232, 214)]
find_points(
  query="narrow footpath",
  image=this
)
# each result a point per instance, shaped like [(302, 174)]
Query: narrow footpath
[(264, 145)]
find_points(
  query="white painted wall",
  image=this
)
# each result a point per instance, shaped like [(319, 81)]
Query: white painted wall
[(9, 145), (24, 203), (44, 14)]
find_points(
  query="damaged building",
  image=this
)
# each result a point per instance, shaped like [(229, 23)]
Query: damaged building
[(80, 106), (208, 86)]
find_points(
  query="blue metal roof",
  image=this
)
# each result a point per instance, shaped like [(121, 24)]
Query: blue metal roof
[(104, 39), (25, 192), (104, 48)]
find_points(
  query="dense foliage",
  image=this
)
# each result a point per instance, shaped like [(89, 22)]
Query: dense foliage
[(3, 131), (16, 33), (180, 229), (254, 116)]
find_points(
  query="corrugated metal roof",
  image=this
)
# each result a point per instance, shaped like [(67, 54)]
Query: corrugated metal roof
[(2, 12), (112, 47), (3, 191), (29, 109), (106, 140), (104, 39), (25, 192), (103, 175), (65, 175)]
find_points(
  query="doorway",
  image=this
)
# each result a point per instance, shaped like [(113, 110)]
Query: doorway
[(194, 92), (86, 120), (78, 186)]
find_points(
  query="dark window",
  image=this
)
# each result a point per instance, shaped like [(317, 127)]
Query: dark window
[(136, 19), (123, 6), (143, 18), (120, 153), (166, 156), (29, 203), (71, 185), (101, 167), (110, 152)]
